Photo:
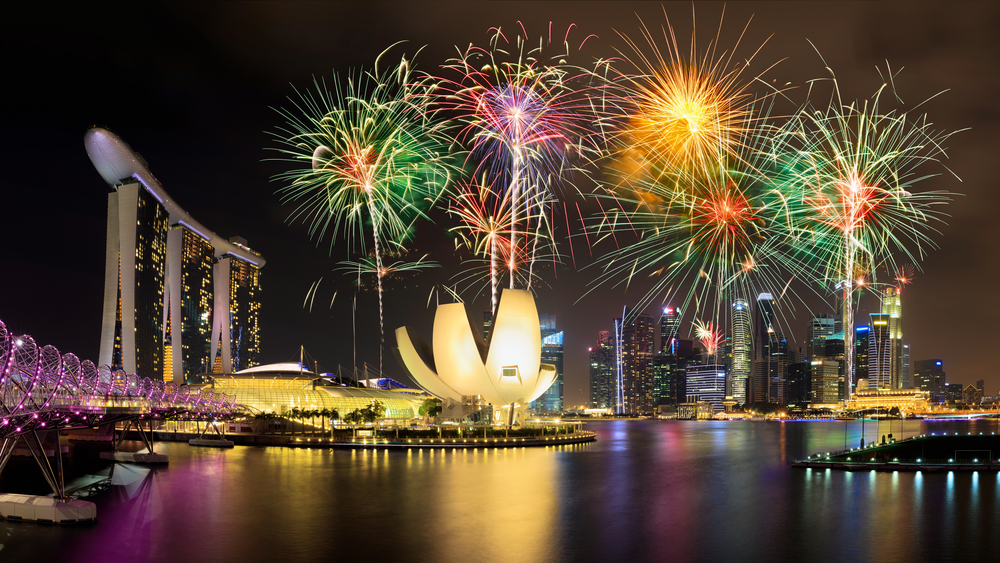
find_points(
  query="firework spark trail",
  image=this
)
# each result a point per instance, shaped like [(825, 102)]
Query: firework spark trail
[(524, 114), (361, 152), (850, 171), (710, 336), (688, 171)]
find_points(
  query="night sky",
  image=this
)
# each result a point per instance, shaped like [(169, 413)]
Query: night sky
[(192, 86)]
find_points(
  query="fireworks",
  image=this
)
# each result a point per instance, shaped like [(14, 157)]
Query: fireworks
[(524, 114), (686, 115), (363, 160), (709, 336), (850, 171)]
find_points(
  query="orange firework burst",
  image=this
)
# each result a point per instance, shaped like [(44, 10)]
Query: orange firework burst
[(688, 114)]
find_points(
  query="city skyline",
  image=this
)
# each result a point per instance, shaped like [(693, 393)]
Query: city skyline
[(216, 172)]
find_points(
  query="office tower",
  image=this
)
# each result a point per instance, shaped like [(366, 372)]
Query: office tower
[(892, 306), (741, 342), (132, 331), (835, 351), (879, 352), (981, 385), (602, 372), (838, 307), (551, 401), (798, 384), (670, 324), (824, 388), (906, 377), (929, 375), (487, 325), (777, 370), (635, 350), (819, 328), (953, 392), (861, 341), (188, 304), (708, 382), (669, 376), (763, 326), (163, 270), (236, 324)]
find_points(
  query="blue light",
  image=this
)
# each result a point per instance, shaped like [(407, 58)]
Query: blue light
[(939, 363), (861, 329)]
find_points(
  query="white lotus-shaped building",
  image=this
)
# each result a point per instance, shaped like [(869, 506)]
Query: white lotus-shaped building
[(505, 371)]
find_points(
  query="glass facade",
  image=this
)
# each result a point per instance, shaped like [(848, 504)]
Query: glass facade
[(636, 362), (551, 400), (197, 258), (244, 314), (708, 383), (741, 346), (602, 372)]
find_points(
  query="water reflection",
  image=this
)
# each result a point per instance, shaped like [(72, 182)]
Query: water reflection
[(646, 491)]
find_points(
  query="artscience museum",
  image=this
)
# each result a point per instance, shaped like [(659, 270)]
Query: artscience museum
[(491, 381)]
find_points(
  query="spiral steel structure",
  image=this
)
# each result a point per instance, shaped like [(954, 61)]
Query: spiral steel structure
[(43, 390)]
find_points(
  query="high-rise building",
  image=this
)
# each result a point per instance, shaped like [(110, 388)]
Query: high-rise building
[(741, 342), (892, 306), (906, 377), (132, 331), (669, 375), (188, 304), (798, 384), (708, 382), (636, 362), (953, 392), (487, 325), (763, 326), (929, 375), (551, 400), (236, 326), (602, 372), (163, 271), (670, 324), (824, 389), (820, 328), (838, 307), (879, 352), (777, 370), (861, 340)]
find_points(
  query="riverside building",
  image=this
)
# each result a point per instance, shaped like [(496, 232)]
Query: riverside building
[(177, 297)]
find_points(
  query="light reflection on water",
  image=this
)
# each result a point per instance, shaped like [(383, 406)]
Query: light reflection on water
[(646, 491)]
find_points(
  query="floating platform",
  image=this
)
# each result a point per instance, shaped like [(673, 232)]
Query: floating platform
[(933, 452), (32, 508), (141, 456), (210, 443)]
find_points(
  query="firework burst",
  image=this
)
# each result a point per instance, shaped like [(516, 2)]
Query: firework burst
[(850, 172), (525, 116), (363, 161), (684, 115), (710, 336)]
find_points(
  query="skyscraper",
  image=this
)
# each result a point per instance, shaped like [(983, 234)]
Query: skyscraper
[(132, 331), (777, 370), (635, 348), (602, 372), (861, 340), (820, 328), (163, 270), (823, 386), (906, 378), (741, 340), (892, 306), (188, 304), (551, 400), (669, 325), (879, 352), (759, 388), (929, 375), (236, 326)]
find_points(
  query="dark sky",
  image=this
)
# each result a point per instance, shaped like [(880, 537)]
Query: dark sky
[(190, 87)]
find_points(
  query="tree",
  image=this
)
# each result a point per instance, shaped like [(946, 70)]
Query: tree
[(374, 411), (430, 408)]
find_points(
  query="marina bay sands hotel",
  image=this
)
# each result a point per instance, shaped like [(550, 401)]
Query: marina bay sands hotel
[(179, 300)]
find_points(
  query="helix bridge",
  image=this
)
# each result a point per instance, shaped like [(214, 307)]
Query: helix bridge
[(44, 392)]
